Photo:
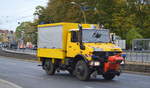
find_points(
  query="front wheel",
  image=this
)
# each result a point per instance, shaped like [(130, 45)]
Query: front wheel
[(108, 76), (82, 71), (49, 67)]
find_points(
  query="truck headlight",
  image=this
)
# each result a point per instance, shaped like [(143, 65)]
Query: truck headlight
[(122, 62), (94, 63)]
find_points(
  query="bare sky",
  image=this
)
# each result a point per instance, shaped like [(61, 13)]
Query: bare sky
[(14, 11)]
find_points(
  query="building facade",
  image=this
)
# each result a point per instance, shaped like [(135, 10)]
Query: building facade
[(4, 35)]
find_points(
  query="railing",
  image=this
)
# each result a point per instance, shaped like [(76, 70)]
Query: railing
[(142, 57), (137, 57)]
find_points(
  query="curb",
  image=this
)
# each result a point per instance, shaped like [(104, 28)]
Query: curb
[(137, 68), (18, 55), (12, 51), (137, 73)]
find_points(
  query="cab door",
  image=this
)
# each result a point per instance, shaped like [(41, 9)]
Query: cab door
[(72, 44)]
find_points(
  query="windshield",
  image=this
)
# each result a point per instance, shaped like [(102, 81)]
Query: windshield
[(94, 36)]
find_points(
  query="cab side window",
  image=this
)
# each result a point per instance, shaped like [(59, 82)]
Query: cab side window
[(74, 36)]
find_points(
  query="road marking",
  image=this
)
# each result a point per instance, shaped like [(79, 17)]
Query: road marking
[(88, 87), (10, 83)]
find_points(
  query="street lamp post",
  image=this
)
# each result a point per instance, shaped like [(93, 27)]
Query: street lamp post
[(84, 15)]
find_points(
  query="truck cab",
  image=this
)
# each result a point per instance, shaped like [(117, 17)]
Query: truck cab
[(81, 49)]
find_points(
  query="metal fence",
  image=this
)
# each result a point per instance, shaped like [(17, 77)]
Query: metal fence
[(141, 44), (138, 56)]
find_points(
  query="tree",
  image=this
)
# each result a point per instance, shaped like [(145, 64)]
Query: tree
[(120, 16), (30, 32), (1, 38), (132, 34)]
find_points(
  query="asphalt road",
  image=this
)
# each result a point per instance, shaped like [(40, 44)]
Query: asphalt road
[(28, 75)]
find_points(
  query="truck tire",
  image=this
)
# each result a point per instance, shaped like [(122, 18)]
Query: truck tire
[(49, 67), (108, 76), (82, 71)]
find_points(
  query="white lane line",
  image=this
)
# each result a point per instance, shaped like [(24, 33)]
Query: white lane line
[(10, 83), (88, 87)]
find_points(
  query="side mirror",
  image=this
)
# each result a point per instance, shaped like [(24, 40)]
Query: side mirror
[(82, 47)]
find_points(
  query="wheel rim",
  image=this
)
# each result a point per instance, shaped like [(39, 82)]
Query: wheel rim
[(47, 65), (80, 70)]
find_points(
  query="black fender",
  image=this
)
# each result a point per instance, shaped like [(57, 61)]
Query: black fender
[(81, 57)]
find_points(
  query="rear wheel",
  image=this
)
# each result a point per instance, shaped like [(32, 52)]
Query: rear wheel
[(108, 76), (49, 67), (82, 71)]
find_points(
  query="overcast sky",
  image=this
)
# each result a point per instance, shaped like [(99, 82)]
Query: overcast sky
[(14, 11)]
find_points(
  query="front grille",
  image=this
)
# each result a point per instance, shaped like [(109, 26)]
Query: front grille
[(104, 54)]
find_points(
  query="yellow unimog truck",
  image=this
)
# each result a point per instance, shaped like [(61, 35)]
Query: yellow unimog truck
[(81, 49)]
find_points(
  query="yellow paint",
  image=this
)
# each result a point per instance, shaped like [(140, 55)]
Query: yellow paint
[(50, 53), (71, 49), (53, 60)]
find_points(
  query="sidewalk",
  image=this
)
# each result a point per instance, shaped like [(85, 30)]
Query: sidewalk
[(6, 84)]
